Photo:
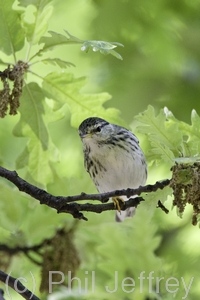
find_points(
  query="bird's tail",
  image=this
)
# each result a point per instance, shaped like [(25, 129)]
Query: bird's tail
[(123, 214)]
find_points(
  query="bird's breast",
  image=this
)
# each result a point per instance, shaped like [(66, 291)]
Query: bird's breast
[(114, 168)]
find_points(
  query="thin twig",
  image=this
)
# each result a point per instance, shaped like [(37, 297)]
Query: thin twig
[(16, 285), (68, 204), (161, 205), (18, 249)]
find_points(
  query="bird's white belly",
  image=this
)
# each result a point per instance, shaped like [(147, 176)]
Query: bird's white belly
[(121, 172)]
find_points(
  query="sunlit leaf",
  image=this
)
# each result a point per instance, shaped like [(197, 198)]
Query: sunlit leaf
[(165, 138), (190, 133), (73, 38), (65, 89), (35, 30), (160, 151), (11, 32), (187, 160), (56, 39), (57, 61), (39, 4), (3, 63)]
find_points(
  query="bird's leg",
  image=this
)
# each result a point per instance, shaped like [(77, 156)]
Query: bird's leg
[(116, 201)]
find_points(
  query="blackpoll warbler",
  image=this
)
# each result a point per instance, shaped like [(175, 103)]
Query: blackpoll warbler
[(113, 158)]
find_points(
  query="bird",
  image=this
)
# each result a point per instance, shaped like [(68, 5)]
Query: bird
[(113, 159)]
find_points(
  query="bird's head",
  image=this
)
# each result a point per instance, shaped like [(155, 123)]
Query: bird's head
[(96, 128)]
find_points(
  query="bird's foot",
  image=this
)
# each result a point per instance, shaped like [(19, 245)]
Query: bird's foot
[(116, 201)]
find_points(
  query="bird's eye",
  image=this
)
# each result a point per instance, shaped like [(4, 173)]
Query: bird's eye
[(98, 129)]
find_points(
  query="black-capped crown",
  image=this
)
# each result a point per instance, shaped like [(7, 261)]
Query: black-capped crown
[(90, 123)]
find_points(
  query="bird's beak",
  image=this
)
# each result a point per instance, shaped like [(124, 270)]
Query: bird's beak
[(85, 135)]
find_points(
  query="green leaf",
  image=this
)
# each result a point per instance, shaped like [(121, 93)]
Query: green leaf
[(26, 216), (73, 38), (3, 63), (190, 133), (126, 242), (31, 110), (39, 150), (39, 4), (165, 137), (41, 216), (35, 30), (159, 150), (195, 119), (57, 61), (11, 219), (11, 32), (156, 126), (171, 140), (4, 235), (56, 39), (151, 199), (65, 89), (103, 47)]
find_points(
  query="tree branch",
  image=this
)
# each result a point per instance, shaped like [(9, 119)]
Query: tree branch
[(68, 204), (1, 294), (16, 285), (18, 249)]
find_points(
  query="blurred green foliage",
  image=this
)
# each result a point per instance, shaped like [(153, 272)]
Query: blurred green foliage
[(160, 68), (161, 63)]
